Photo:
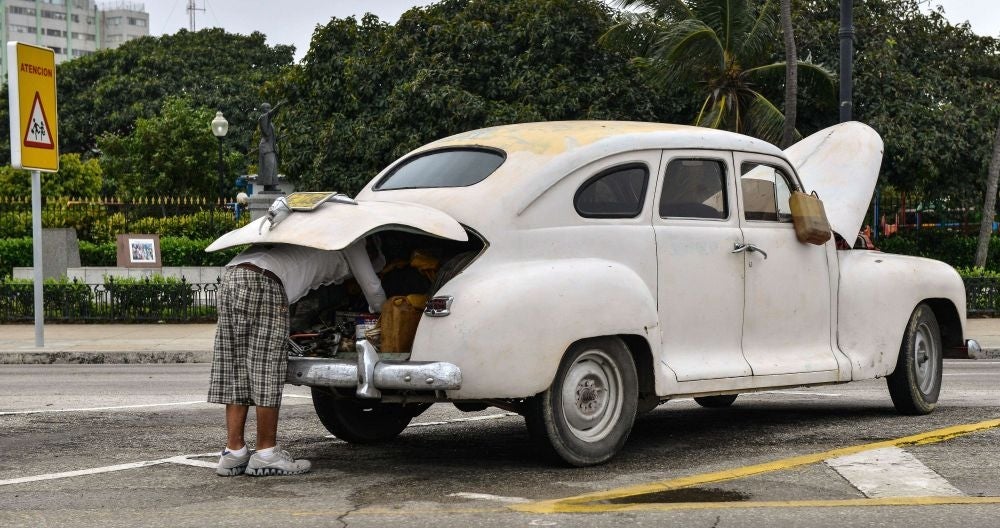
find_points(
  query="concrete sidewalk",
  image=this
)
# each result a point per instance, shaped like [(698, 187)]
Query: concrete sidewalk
[(108, 343), (192, 343)]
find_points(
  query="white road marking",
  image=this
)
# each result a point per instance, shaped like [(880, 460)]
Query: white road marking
[(119, 407), (488, 497), (454, 420), (186, 460), (92, 471), (306, 396), (470, 419), (891, 472), (181, 459), (110, 408)]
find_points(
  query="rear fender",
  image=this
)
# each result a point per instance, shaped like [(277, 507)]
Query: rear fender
[(511, 323)]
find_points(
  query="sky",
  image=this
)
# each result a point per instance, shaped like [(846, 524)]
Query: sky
[(293, 21)]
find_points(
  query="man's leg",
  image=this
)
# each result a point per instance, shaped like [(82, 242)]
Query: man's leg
[(267, 427), (236, 419)]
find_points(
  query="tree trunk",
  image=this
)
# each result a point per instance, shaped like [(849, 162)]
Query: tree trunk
[(791, 75), (989, 208)]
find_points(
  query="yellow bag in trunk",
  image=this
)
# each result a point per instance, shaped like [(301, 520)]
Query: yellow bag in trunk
[(400, 316), (809, 218)]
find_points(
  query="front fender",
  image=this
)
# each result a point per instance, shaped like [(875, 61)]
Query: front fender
[(511, 323), (878, 292)]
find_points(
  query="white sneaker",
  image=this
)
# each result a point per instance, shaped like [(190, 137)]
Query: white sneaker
[(279, 463), (231, 465)]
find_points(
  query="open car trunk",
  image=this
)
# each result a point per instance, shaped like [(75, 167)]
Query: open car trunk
[(417, 249), (326, 322)]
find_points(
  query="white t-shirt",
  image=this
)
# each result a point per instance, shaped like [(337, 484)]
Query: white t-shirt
[(300, 268)]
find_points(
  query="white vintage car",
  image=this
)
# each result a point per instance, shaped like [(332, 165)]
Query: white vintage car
[(597, 269)]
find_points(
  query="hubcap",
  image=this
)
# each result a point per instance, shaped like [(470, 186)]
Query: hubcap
[(592, 396), (926, 358)]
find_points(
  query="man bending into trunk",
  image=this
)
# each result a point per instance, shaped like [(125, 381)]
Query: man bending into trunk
[(250, 356)]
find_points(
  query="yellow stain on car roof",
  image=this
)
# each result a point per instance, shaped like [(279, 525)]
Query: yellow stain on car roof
[(556, 137)]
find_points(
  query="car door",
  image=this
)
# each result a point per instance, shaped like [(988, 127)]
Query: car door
[(700, 281), (787, 312)]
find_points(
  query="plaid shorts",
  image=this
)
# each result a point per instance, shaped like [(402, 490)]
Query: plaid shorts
[(251, 355)]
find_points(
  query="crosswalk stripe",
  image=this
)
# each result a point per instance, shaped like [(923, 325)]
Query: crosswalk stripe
[(891, 472)]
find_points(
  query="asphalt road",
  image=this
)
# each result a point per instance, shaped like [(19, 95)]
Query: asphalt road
[(115, 426)]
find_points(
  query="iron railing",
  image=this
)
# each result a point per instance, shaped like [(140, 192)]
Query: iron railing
[(132, 302), (192, 302), (982, 296)]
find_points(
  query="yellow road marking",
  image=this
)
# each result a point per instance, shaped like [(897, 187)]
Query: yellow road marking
[(834, 503), (584, 503)]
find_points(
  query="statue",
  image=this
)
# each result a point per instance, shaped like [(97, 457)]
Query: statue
[(267, 161)]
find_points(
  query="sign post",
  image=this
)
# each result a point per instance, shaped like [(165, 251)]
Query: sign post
[(34, 133)]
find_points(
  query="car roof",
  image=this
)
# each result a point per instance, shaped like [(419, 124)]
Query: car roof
[(541, 154), (554, 138)]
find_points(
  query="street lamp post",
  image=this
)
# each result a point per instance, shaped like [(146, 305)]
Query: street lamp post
[(219, 127), (846, 60)]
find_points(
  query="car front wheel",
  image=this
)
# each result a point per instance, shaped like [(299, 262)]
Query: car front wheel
[(915, 384), (585, 416), (362, 422)]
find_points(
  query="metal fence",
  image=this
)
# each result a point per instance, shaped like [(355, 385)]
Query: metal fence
[(190, 302), (982, 297), (110, 302), (907, 212)]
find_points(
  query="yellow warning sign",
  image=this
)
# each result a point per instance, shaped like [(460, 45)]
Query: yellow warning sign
[(34, 126)]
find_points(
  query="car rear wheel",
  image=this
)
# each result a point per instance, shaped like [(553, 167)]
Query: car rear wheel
[(362, 422), (915, 384), (585, 416), (716, 402)]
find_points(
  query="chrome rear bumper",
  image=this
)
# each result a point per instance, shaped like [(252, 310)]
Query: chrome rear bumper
[(369, 375)]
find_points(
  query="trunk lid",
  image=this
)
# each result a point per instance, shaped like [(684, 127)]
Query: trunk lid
[(334, 225)]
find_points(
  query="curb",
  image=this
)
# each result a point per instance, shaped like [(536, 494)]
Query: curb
[(986, 353), (86, 357)]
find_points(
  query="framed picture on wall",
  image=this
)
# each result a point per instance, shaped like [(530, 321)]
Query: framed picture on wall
[(139, 251)]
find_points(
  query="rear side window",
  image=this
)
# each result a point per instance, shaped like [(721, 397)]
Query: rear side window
[(694, 188), (614, 193), (443, 168)]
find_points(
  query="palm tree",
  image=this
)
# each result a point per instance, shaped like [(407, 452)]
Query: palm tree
[(791, 75), (725, 47)]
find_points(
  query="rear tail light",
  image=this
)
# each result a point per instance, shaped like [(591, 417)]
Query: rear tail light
[(439, 306)]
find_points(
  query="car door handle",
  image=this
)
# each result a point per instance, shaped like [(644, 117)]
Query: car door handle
[(739, 248)]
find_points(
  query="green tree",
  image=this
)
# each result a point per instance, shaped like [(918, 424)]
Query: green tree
[(109, 91), (173, 153), (368, 92), (725, 48), (76, 178), (923, 84)]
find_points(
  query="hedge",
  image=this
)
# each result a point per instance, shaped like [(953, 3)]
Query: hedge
[(96, 224), (940, 244), (116, 300)]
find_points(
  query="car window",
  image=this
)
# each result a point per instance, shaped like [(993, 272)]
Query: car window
[(615, 193), (694, 188), (765, 193), (443, 168)]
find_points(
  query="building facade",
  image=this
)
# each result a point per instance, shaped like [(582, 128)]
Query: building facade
[(71, 28)]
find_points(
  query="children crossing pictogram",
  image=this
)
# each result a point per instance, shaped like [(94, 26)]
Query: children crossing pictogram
[(37, 131)]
